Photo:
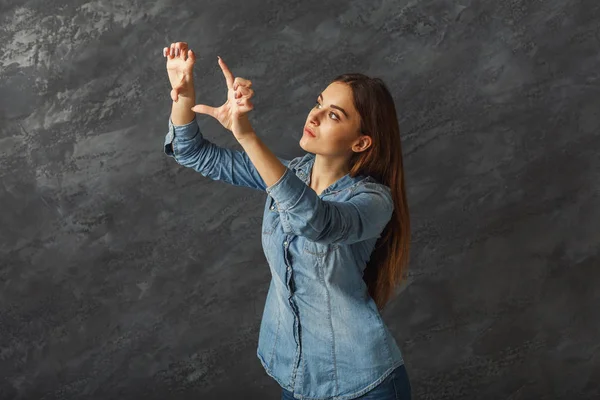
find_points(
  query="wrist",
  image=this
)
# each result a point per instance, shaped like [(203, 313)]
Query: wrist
[(246, 138), (241, 127), (181, 110), (190, 95)]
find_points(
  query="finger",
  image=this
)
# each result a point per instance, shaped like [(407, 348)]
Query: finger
[(191, 56), (247, 95), (245, 105), (172, 51), (227, 73), (241, 82), (246, 92), (165, 51), (183, 48), (204, 109)]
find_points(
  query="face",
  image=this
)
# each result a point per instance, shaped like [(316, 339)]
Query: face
[(335, 124)]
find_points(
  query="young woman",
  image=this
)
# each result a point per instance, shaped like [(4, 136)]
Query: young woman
[(335, 230)]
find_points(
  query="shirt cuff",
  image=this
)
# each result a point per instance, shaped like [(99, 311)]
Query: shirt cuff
[(287, 191), (184, 132), (181, 132)]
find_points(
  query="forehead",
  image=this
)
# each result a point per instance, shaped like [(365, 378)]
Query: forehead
[(338, 91), (340, 94)]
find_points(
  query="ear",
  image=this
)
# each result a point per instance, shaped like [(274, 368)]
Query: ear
[(364, 142)]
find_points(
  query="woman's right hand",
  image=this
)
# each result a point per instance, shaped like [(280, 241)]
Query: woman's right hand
[(180, 64)]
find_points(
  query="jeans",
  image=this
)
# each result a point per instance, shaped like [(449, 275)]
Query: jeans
[(396, 386)]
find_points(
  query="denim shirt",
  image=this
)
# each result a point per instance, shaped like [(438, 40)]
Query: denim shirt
[(321, 334)]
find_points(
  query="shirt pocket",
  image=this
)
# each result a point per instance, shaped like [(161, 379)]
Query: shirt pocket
[(318, 250)]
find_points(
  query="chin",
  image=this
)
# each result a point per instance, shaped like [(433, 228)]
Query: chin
[(302, 144)]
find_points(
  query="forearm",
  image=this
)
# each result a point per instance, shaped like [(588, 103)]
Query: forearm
[(266, 163), (181, 112)]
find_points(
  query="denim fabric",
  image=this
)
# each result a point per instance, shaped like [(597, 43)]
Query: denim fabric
[(321, 335), (395, 387)]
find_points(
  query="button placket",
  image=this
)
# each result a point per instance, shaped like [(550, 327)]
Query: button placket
[(285, 244)]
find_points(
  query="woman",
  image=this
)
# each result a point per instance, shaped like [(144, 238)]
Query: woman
[(335, 252)]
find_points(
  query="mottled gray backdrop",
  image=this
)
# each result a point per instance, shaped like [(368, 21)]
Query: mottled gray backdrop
[(124, 275)]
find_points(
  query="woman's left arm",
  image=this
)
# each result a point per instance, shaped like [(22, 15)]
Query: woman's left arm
[(304, 213), (270, 168)]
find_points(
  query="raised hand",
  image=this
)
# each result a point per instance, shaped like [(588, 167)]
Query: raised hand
[(180, 63), (232, 113)]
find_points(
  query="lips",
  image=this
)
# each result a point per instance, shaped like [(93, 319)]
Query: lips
[(309, 132)]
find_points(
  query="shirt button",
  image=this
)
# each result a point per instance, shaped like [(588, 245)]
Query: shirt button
[(272, 207), (285, 243), (289, 268)]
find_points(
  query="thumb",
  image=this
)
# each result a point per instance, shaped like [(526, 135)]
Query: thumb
[(204, 109)]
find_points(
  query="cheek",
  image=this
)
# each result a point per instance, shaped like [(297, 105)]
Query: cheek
[(333, 141), (337, 134)]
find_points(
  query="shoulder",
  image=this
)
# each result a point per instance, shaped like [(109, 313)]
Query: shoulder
[(369, 184), (377, 192)]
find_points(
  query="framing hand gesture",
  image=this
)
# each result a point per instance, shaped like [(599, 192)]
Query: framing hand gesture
[(238, 102)]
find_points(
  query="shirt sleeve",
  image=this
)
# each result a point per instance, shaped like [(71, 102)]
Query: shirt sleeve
[(304, 213), (187, 145)]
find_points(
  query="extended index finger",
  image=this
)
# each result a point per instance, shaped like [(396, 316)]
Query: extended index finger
[(227, 73)]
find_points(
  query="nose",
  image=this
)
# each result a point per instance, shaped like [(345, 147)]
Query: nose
[(315, 117)]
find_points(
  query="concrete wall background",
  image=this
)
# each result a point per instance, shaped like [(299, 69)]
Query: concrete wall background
[(124, 275)]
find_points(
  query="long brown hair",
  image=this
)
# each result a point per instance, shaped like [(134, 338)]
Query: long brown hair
[(383, 161)]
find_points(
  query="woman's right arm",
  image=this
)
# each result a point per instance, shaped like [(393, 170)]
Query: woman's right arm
[(186, 144), (184, 141), (181, 111)]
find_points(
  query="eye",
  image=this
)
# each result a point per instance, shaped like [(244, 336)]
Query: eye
[(331, 112)]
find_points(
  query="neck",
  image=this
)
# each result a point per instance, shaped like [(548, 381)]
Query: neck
[(325, 172)]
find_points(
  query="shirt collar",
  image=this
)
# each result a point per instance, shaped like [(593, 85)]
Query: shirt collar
[(304, 167)]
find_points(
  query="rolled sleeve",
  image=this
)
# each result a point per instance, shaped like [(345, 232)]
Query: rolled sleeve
[(181, 132), (287, 190), (304, 213)]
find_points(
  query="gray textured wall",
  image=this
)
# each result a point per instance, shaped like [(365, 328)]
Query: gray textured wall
[(124, 275)]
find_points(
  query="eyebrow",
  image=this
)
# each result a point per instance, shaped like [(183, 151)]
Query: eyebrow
[(336, 107)]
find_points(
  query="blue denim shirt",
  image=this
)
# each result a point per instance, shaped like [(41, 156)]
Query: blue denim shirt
[(321, 334)]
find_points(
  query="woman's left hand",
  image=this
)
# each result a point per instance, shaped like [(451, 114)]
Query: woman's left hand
[(232, 114)]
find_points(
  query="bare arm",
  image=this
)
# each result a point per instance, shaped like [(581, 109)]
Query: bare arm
[(181, 112)]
